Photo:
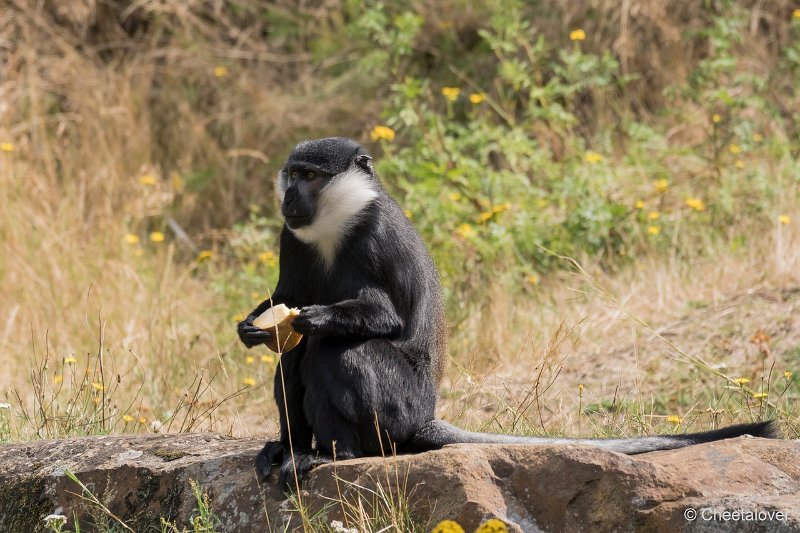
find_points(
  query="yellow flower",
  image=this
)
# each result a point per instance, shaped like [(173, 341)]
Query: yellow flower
[(734, 148), (533, 279), (580, 388), (447, 526), (58, 379), (757, 137), (382, 132), (784, 219), (662, 185), (593, 157), (492, 526), (451, 93), (760, 395), (7, 147), (696, 203), (715, 118), (653, 215), (577, 35), (465, 230), (70, 360), (653, 230), (639, 204), (156, 236), (407, 213), (499, 208), (267, 359), (176, 181), (205, 255), (127, 418), (739, 163), (796, 14), (477, 98), (142, 420), (787, 374), (250, 359), (220, 71), (674, 419), (455, 196), (484, 216), (268, 258), (238, 317), (249, 382), (132, 238), (147, 179), (741, 381), (98, 386)]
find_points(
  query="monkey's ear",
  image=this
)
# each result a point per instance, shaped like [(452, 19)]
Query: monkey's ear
[(364, 162)]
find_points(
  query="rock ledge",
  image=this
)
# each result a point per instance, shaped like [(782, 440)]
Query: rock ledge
[(741, 484)]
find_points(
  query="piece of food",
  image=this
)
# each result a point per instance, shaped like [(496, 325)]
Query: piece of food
[(278, 321)]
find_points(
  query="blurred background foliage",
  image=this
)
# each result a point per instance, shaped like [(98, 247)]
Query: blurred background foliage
[(139, 141)]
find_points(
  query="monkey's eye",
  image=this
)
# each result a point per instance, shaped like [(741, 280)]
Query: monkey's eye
[(310, 175), (295, 175)]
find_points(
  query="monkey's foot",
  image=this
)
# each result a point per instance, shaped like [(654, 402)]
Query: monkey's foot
[(293, 471), (271, 454)]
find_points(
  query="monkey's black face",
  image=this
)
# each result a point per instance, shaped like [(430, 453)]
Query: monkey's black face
[(304, 183), (323, 186)]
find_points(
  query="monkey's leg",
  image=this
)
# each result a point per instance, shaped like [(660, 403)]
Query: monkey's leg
[(287, 377), (363, 397)]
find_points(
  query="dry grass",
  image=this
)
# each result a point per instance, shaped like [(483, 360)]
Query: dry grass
[(637, 339)]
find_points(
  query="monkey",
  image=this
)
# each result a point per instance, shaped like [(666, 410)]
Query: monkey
[(363, 381)]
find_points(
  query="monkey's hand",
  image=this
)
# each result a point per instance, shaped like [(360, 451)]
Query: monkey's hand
[(251, 335), (270, 455), (315, 320)]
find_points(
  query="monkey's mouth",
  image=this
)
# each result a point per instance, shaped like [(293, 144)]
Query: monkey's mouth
[(297, 221)]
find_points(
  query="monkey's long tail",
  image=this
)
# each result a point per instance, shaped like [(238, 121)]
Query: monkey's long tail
[(438, 433)]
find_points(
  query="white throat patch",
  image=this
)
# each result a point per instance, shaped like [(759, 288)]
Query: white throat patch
[(340, 202)]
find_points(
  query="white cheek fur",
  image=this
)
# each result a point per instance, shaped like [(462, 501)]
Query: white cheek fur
[(280, 187), (340, 202)]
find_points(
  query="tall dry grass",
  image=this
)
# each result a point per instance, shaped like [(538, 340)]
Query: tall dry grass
[(120, 120), (638, 339)]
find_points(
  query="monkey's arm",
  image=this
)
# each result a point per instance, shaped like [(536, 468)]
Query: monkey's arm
[(371, 314)]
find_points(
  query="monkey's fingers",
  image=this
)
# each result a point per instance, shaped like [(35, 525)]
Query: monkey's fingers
[(293, 472), (252, 336)]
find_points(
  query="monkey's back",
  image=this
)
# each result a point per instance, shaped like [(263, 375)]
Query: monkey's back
[(418, 286)]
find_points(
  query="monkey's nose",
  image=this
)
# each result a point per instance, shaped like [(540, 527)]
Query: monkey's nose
[(290, 196)]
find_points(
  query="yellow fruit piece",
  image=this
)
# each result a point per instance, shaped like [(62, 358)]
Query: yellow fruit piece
[(278, 320)]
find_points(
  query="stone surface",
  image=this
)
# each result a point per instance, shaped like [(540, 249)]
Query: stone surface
[(142, 478)]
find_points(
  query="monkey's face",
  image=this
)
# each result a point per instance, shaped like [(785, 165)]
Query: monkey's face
[(304, 183), (324, 184)]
